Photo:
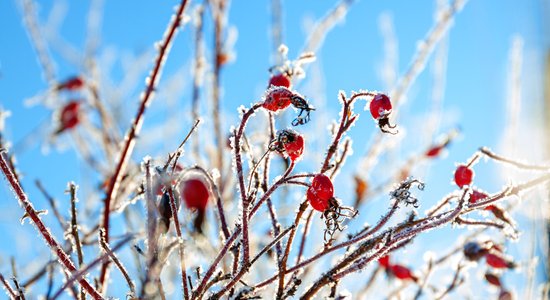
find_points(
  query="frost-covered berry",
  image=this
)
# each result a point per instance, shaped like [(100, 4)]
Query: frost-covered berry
[(288, 142), (463, 176), (320, 192), (380, 109), (277, 98)]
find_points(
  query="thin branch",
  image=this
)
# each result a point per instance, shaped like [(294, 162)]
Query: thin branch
[(117, 262), (52, 243), (485, 151), (270, 245), (74, 231), (174, 208), (8, 288), (78, 275), (130, 139), (52, 203)]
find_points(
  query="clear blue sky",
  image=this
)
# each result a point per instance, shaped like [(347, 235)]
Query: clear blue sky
[(350, 59)]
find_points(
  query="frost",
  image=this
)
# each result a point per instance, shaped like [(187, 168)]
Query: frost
[(215, 173)]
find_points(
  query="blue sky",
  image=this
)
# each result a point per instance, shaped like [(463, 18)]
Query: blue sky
[(351, 57)]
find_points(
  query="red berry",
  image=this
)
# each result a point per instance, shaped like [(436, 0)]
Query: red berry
[(295, 148), (434, 151), (493, 279), (280, 80), (195, 193), (499, 262), (384, 261), (69, 116), (320, 192), (278, 98), (402, 272), (380, 106), (71, 84), (463, 176)]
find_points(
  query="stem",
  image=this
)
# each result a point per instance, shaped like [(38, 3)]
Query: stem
[(174, 208), (202, 286), (74, 231), (117, 262), (240, 175), (8, 288), (79, 274), (136, 128), (284, 259), (63, 258)]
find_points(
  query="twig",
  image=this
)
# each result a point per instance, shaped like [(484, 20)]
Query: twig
[(38, 41), (485, 151), (303, 206), (74, 231), (218, 12), (197, 73), (202, 286), (136, 127), (78, 275), (63, 258), (117, 262), (454, 283), (174, 208), (8, 288), (273, 242), (52, 203)]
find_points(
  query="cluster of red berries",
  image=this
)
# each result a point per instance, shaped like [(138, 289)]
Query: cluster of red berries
[(69, 116), (396, 270)]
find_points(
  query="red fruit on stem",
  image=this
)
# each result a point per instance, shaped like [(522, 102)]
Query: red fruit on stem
[(290, 142), (295, 148), (384, 261), (195, 193), (463, 176), (280, 80), (434, 151), (380, 106), (69, 116), (71, 84), (278, 98), (493, 279), (320, 192), (402, 272), (499, 262)]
